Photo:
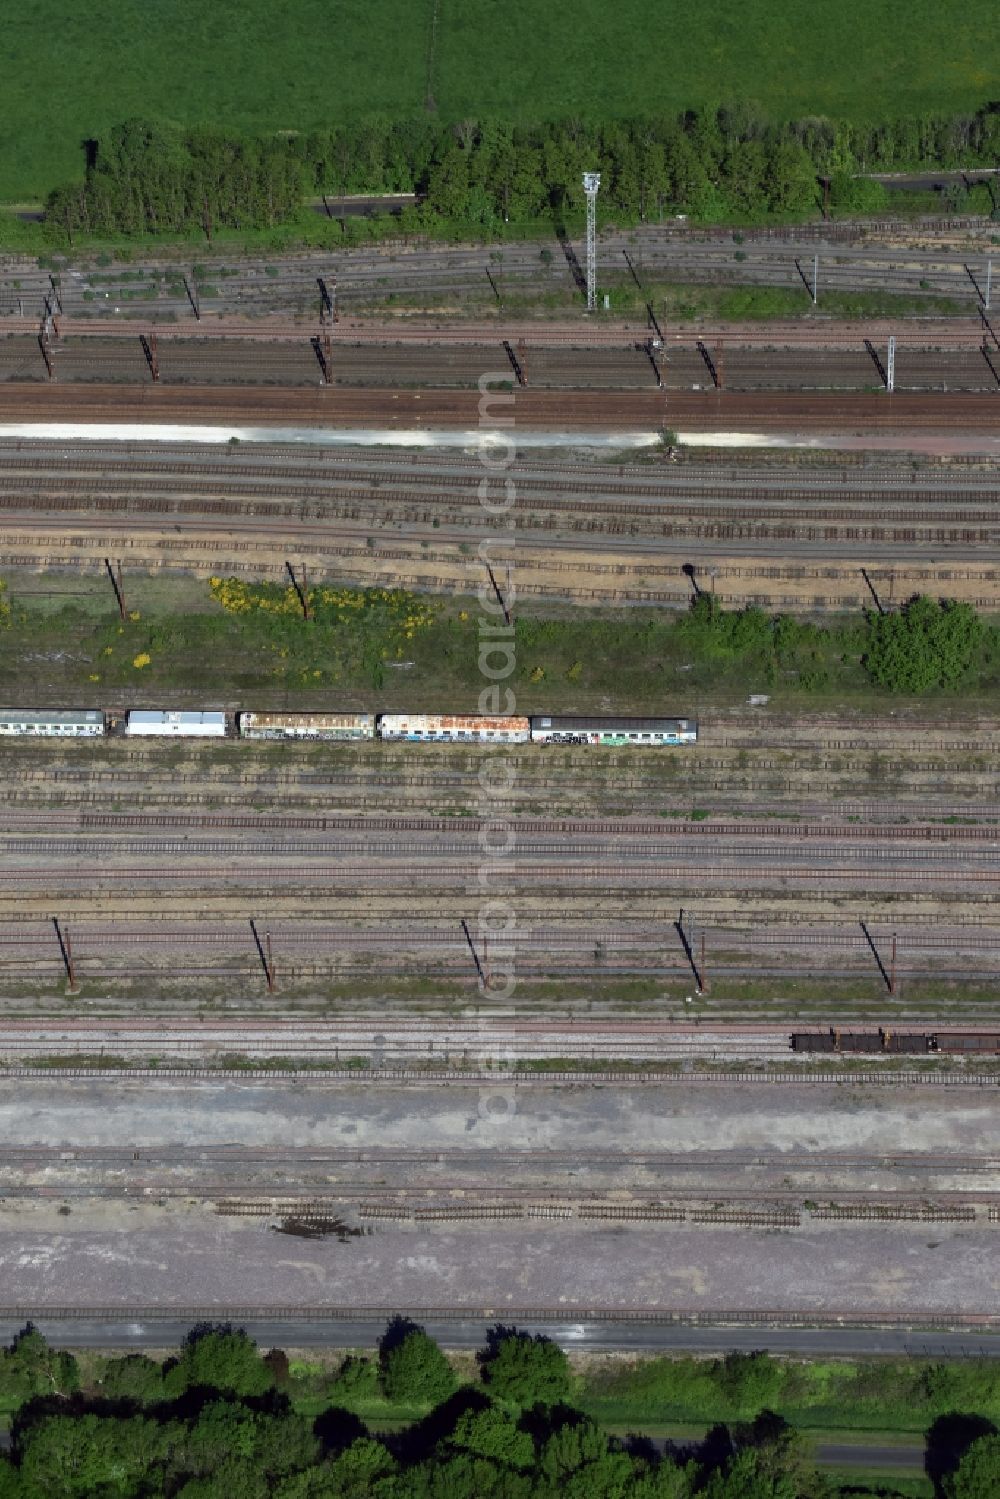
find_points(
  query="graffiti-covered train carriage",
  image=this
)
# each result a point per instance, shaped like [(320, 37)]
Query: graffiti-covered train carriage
[(410, 728)]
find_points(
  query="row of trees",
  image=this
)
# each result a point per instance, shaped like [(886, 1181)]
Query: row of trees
[(928, 645), (724, 163), (219, 1422)]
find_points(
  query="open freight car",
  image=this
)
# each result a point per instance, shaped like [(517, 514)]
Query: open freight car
[(898, 1043), (867, 1043)]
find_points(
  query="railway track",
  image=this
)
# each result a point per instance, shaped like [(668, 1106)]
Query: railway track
[(745, 513), (533, 334), (430, 1078), (476, 1157), (580, 411), (611, 514), (773, 472), (782, 807), (557, 876), (916, 258), (571, 827), (826, 363), (534, 936)]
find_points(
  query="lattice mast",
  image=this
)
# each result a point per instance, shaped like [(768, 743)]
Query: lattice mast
[(591, 182)]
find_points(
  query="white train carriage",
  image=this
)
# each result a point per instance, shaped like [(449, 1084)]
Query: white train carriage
[(48, 723), (144, 721), (613, 732), (441, 728), (307, 726)]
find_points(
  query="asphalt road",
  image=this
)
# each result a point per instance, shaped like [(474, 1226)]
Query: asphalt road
[(844, 1455), (603, 1336)]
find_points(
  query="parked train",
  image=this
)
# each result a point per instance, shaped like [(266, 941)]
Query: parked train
[(413, 728), (898, 1043)]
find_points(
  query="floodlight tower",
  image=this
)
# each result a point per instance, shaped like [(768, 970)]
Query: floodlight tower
[(591, 182)]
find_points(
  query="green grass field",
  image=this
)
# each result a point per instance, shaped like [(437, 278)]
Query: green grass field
[(68, 72)]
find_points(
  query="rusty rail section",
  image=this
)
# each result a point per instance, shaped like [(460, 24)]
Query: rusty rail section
[(909, 832), (919, 1321), (500, 1077)]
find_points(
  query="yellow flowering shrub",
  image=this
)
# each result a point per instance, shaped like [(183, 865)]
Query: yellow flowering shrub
[(143, 659), (402, 613), (350, 632)]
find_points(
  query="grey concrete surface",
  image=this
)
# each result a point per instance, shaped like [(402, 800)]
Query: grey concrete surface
[(693, 1118)]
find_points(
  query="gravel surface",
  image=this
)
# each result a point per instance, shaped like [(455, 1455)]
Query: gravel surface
[(164, 1261), (102, 1235)]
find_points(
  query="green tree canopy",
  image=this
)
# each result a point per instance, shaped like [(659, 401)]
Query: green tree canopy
[(528, 1370), (493, 1434), (80, 1456), (219, 1358), (134, 1377), (978, 1473), (749, 1381), (412, 1366), (30, 1367), (926, 645)]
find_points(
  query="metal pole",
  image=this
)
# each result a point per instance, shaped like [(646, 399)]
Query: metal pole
[(890, 367), (702, 973), (270, 963), (892, 967), (989, 282), (72, 987), (306, 611), (121, 590), (815, 278)]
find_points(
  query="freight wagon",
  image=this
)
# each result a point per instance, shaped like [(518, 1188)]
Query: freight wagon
[(306, 725)]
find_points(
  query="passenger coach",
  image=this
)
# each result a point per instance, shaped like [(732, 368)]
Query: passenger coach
[(439, 728), (307, 725), (83, 723), (182, 725), (614, 731)]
